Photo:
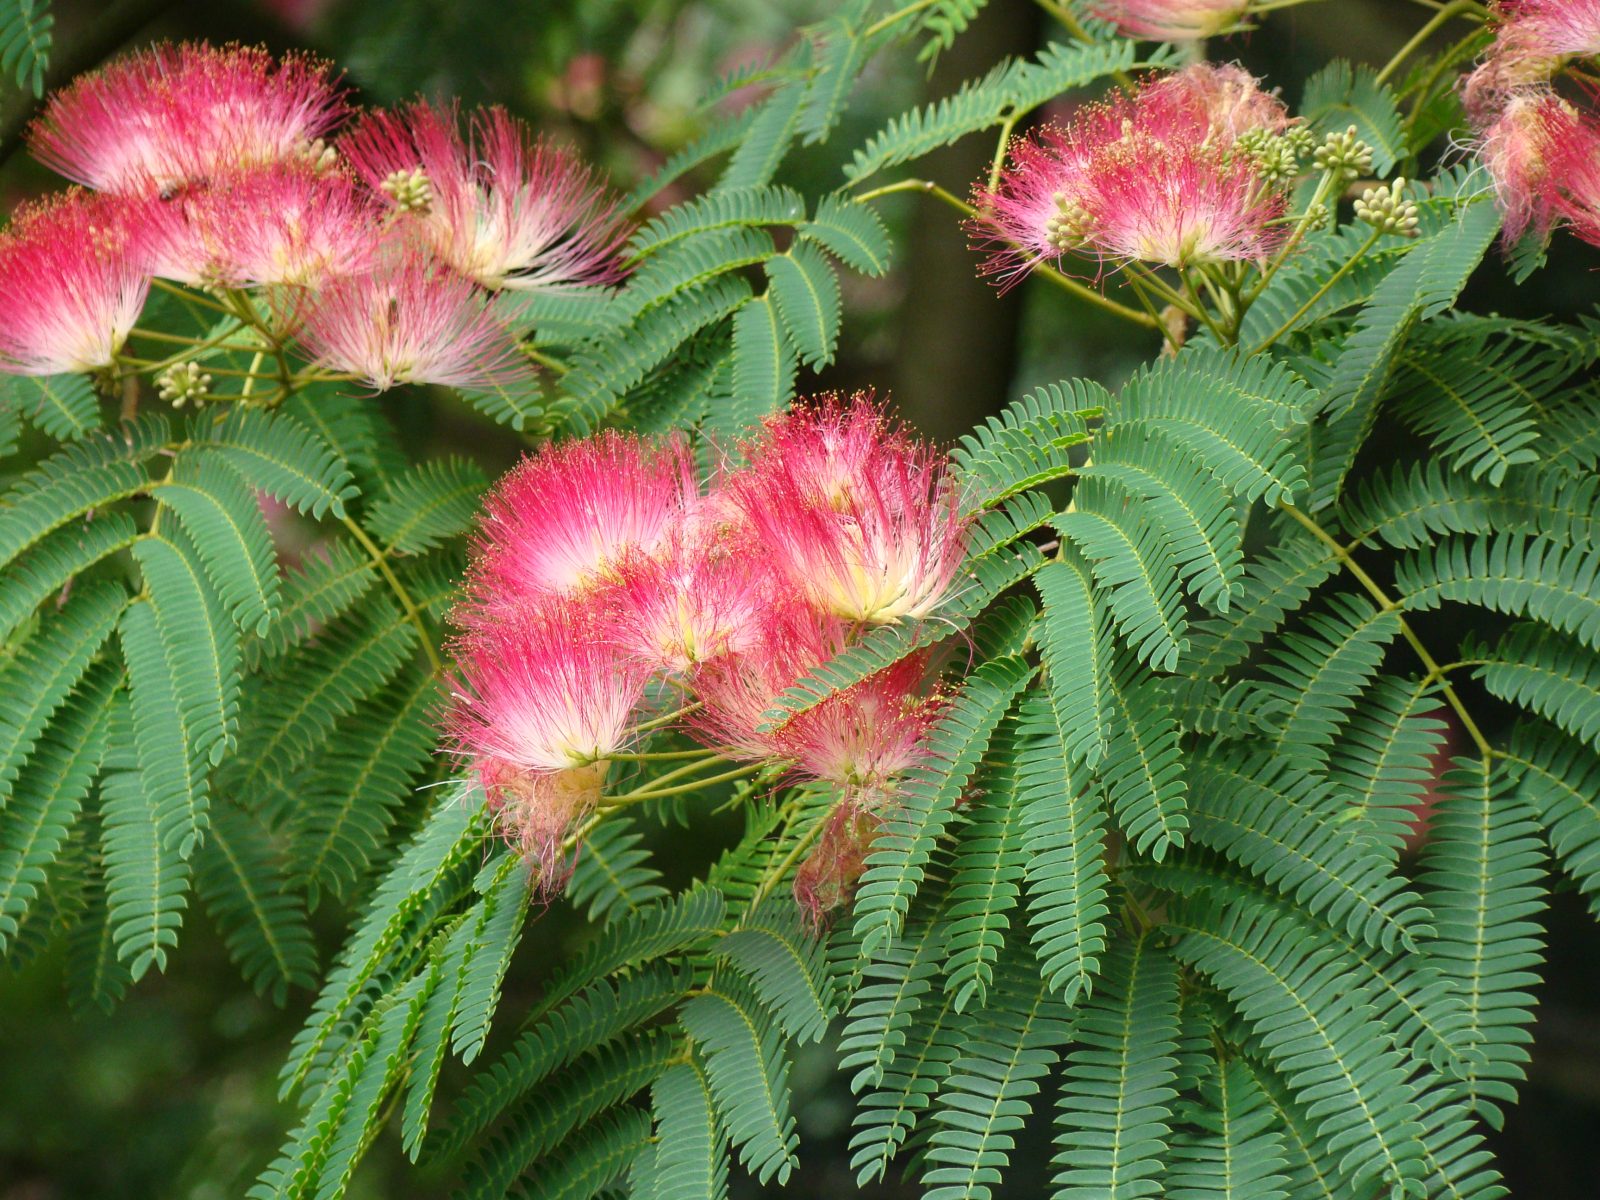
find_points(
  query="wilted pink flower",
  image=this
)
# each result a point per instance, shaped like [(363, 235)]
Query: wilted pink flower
[(1158, 178), (865, 737), (828, 877), (1522, 148), (499, 206), (1172, 20), (536, 810), (544, 690), (695, 598), (859, 519), (174, 115), (566, 517), (287, 223), (410, 320), (74, 274)]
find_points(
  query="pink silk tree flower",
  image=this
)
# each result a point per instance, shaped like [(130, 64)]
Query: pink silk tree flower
[(1226, 96), (410, 320), (544, 690), (283, 224), (694, 599), (1176, 206), (864, 738), (827, 879), (1172, 20), (1524, 150), (536, 811), (543, 701), (74, 275), (736, 690), (175, 115), (862, 521), (1576, 164), (1157, 178), (565, 518), (1554, 30), (500, 206)]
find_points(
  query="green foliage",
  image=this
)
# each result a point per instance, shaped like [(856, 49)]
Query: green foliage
[(1340, 95), (1153, 874), (25, 41)]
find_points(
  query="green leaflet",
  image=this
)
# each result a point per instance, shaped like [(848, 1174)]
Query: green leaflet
[(1011, 1045), (225, 524), (1341, 95), (47, 795)]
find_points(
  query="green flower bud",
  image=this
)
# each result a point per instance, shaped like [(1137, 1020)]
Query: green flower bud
[(182, 383), (1386, 210)]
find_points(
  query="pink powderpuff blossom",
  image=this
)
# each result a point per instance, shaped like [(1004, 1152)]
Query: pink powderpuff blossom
[(1176, 206), (177, 115), (1157, 178), (498, 205), (1172, 20), (544, 690), (1551, 29), (1522, 148), (862, 521), (1226, 96), (694, 599), (74, 275), (863, 739), (286, 224), (565, 518), (409, 320), (737, 690), (1577, 165)]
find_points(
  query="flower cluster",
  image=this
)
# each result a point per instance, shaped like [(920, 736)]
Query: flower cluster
[(605, 578), (1185, 172), (1541, 149), (378, 253)]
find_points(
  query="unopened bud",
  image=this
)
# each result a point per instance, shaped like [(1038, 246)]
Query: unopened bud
[(1386, 210), (1300, 138), (1344, 154), (1273, 157), (320, 155), (183, 383), (1068, 229), (410, 190)]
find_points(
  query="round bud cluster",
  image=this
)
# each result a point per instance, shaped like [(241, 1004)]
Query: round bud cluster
[(183, 383), (1273, 155), (1386, 210), (1069, 228), (1344, 155), (410, 190)]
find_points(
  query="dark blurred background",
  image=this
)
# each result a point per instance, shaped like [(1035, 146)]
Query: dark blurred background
[(173, 1094)]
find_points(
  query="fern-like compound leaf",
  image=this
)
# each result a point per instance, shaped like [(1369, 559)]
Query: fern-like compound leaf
[(1482, 870), (1113, 1119)]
